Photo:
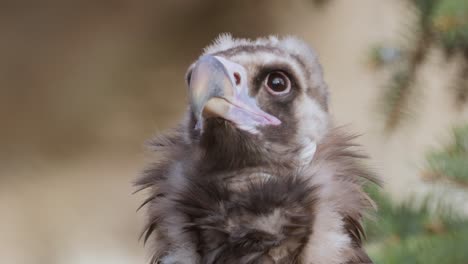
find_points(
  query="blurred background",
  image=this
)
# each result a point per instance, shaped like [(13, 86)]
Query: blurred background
[(84, 83)]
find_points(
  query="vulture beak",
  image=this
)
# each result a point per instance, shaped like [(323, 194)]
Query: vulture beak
[(218, 88)]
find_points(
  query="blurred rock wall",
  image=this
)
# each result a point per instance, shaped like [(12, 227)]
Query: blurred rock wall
[(81, 74)]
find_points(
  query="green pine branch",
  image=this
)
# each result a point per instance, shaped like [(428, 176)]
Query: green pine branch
[(407, 233), (441, 24), (451, 163), (448, 248)]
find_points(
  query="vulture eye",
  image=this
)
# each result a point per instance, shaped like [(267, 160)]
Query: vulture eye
[(277, 83)]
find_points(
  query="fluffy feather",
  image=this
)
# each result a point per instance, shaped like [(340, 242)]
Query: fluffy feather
[(287, 195)]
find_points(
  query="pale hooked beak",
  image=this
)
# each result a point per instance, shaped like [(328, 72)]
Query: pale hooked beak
[(218, 88)]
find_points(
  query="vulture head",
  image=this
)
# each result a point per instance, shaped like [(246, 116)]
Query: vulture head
[(257, 102), (256, 172)]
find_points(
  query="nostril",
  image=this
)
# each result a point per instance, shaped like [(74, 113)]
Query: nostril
[(237, 78)]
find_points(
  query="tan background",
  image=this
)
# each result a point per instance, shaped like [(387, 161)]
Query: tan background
[(82, 85)]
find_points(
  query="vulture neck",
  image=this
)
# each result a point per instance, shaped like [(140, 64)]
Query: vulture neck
[(225, 147)]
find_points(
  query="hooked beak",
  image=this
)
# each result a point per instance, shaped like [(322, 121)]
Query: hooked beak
[(218, 88)]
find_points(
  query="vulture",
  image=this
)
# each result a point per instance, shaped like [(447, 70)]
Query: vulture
[(256, 172)]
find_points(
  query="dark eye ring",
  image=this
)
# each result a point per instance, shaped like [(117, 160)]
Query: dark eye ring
[(277, 83)]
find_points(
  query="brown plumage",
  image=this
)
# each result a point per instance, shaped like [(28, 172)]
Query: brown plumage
[(260, 176)]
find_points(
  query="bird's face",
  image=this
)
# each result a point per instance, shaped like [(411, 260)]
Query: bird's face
[(270, 90)]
